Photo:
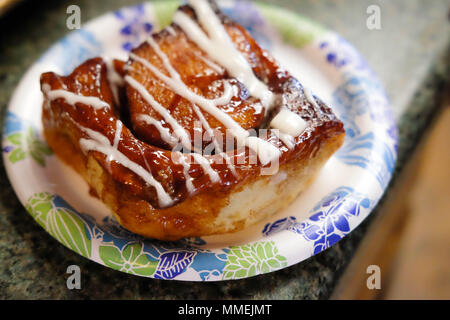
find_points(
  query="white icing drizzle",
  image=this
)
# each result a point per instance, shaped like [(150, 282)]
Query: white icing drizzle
[(258, 107), (119, 126), (117, 138), (141, 151), (178, 130), (218, 45), (73, 98), (98, 142), (181, 160), (216, 143), (287, 139), (221, 49), (163, 131), (265, 150), (206, 166), (228, 93), (206, 125), (212, 65), (115, 80), (179, 87), (265, 155), (288, 122), (171, 30), (171, 140)]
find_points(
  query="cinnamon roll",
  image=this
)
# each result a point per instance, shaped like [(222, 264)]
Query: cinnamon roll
[(200, 132)]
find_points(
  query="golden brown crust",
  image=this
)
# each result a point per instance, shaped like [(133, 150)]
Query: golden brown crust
[(239, 198), (192, 64), (198, 216)]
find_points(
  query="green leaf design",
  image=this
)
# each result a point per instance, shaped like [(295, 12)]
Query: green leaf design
[(37, 148), (38, 151), (62, 223), (252, 259), (17, 155), (132, 259), (28, 145), (16, 138), (39, 205), (111, 256), (295, 29), (268, 250), (164, 11)]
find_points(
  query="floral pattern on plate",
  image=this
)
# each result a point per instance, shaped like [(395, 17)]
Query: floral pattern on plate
[(351, 184)]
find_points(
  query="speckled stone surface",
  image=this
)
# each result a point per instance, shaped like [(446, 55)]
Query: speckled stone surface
[(410, 54)]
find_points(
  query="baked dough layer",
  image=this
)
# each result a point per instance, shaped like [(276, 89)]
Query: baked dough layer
[(205, 214), (135, 173)]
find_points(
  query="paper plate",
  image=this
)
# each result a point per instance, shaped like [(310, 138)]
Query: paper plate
[(343, 195)]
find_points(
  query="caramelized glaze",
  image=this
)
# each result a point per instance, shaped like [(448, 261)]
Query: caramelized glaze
[(184, 175)]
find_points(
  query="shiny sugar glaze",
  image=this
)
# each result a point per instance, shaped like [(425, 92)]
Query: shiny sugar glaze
[(165, 100)]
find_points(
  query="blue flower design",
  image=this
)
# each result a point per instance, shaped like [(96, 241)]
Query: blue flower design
[(209, 264), (173, 258), (13, 124), (352, 100), (340, 53), (367, 152), (136, 25), (172, 264), (361, 95), (279, 225), (330, 219)]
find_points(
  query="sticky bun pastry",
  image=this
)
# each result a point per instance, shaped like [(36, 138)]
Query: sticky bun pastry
[(200, 132)]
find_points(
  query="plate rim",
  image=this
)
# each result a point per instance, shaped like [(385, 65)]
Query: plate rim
[(22, 197)]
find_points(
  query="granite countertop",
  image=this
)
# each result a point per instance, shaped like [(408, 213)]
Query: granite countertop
[(410, 54)]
